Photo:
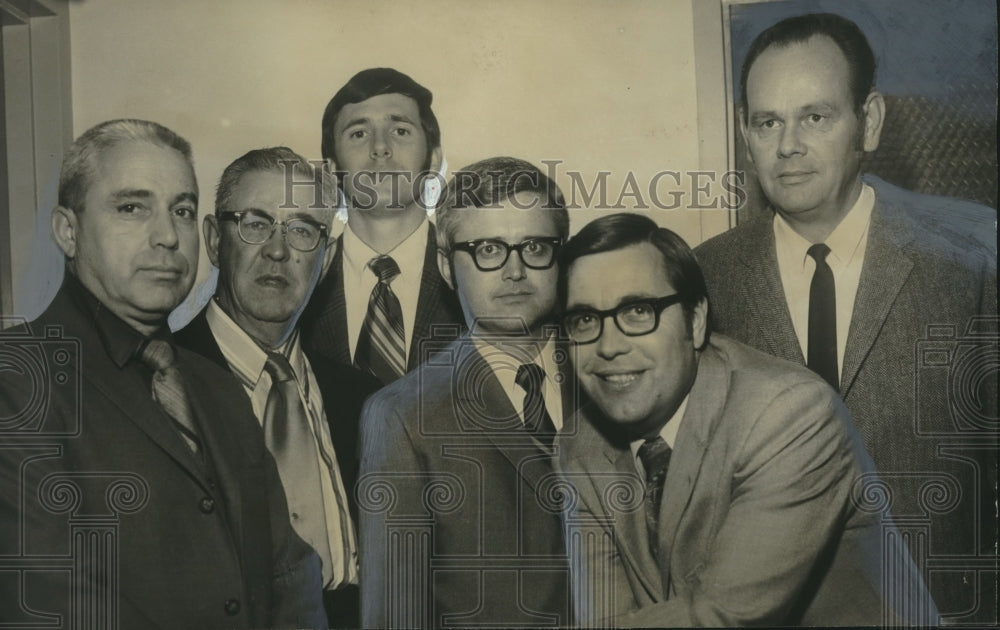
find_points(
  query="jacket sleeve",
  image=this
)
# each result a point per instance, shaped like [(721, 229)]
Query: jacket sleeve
[(395, 566), (789, 501)]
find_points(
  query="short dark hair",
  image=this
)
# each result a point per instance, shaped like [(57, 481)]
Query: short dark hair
[(490, 182), (373, 82), (80, 162), (624, 229), (844, 33), (272, 159)]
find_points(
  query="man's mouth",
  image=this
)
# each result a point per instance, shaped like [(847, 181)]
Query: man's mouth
[(272, 281), (619, 379)]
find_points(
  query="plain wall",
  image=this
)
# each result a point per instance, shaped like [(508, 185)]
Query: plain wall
[(599, 85)]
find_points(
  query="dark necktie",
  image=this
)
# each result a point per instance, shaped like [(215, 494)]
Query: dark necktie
[(537, 421), (381, 346), (169, 393), (290, 440), (823, 319), (655, 457)]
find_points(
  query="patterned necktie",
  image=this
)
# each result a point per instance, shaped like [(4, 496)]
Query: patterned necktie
[(381, 346), (169, 393), (655, 457), (537, 421), (823, 319), (290, 440)]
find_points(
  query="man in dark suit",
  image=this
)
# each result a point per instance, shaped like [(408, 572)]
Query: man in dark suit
[(458, 524), (713, 485), (899, 312), (265, 279), (140, 494), (381, 137)]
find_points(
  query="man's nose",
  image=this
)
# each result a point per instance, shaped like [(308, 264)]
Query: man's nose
[(612, 341), (790, 142)]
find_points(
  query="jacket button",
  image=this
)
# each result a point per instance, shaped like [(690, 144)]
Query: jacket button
[(207, 506), (232, 607)]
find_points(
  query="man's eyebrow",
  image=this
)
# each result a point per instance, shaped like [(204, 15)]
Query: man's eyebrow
[(356, 121), (132, 193), (402, 118), (623, 300), (185, 196)]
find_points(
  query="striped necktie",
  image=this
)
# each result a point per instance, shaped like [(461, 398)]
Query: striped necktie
[(381, 346), (169, 393)]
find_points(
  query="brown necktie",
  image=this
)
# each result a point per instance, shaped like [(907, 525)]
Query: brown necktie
[(381, 347), (655, 457), (169, 392), (292, 443)]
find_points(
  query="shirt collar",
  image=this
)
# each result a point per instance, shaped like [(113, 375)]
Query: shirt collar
[(244, 356), (668, 432), (357, 253), (843, 241), (502, 355), (120, 341)]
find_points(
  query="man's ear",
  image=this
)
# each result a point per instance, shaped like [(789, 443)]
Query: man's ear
[(65, 225), (699, 323), (743, 132), (874, 117), (436, 157), (210, 229), (444, 266)]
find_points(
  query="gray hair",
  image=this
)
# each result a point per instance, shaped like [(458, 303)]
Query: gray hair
[(279, 160), (80, 162)]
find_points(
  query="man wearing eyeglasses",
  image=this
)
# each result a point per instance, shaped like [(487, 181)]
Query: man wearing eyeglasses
[(269, 239), (752, 499), (463, 445)]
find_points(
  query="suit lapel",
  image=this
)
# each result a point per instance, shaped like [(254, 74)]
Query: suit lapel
[(764, 294), (704, 408), (431, 303), (509, 436), (197, 336), (885, 270)]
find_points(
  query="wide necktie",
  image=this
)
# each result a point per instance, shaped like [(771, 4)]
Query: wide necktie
[(381, 347), (823, 318), (530, 377), (292, 443), (169, 393), (655, 457)]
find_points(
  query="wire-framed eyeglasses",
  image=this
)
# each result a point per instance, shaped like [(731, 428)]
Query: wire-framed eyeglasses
[(257, 227), (634, 318), (491, 254)]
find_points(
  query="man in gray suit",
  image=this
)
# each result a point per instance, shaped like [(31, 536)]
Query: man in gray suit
[(711, 484), (873, 288), (457, 527)]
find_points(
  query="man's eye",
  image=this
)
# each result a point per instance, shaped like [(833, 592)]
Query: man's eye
[(638, 310), (489, 249), (188, 214), (402, 131), (532, 247), (357, 134), (769, 124), (256, 225), (128, 208), (815, 119)]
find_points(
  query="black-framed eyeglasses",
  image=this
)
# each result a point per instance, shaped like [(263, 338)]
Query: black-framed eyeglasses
[(491, 254), (257, 227), (633, 318)]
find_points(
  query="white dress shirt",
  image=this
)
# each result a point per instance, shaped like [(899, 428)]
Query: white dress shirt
[(668, 433), (246, 360), (359, 280), (847, 244), (504, 358)]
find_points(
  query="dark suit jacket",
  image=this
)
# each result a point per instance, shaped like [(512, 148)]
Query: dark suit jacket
[(912, 367), (459, 523), (324, 321), (101, 467), (344, 390), (757, 525)]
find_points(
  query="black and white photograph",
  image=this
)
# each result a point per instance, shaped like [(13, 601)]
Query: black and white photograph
[(534, 313)]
